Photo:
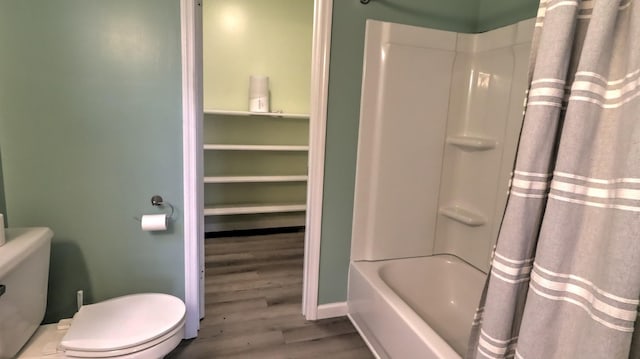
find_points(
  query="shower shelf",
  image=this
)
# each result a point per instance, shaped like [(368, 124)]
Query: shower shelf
[(253, 209), (254, 179), (284, 148), (263, 114), (472, 143), (462, 215)]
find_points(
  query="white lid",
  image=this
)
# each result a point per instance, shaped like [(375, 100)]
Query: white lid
[(123, 322), (258, 86)]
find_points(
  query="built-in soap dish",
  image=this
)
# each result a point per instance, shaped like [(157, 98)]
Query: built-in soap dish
[(463, 215), (472, 143)]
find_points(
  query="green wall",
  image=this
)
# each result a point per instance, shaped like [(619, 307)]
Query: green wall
[(90, 129), (3, 204), (347, 46), (249, 37), (493, 14)]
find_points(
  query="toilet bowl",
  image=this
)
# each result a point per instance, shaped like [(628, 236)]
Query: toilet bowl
[(132, 326), (137, 326)]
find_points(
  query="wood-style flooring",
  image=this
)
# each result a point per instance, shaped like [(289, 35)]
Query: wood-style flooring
[(253, 305)]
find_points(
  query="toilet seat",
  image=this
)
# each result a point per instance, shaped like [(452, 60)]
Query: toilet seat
[(164, 344), (124, 325)]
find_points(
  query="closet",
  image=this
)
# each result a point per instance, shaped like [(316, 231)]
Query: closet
[(255, 164)]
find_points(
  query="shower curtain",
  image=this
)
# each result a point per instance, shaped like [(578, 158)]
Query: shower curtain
[(565, 274)]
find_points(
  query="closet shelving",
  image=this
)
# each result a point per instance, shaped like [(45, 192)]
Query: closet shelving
[(286, 148), (247, 113), (254, 208), (253, 179)]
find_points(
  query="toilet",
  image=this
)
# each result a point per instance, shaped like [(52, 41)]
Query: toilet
[(137, 326)]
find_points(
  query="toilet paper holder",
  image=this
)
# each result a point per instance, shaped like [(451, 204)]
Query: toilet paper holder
[(158, 201)]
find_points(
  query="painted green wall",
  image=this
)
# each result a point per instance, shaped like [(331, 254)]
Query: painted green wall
[(493, 14), (347, 46), (249, 37), (3, 204), (90, 129)]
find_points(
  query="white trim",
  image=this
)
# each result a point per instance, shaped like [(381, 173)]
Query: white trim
[(604, 193), (527, 195), (609, 82), (332, 310), (587, 283), (254, 209), (191, 30), (589, 312), (533, 174), (512, 271), (317, 132), (531, 185), (597, 180), (365, 338), (239, 223), (595, 204), (225, 147), (585, 295), (254, 179), (263, 114), (512, 261)]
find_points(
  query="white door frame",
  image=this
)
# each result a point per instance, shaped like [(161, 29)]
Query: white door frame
[(192, 105), (321, 49), (191, 28)]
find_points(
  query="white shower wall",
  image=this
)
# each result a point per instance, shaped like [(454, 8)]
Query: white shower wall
[(440, 118), (489, 83), (401, 139)]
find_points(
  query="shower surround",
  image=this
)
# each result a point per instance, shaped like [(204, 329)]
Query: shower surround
[(440, 117)]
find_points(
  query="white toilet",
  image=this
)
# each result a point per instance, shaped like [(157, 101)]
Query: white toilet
[(138, 326)]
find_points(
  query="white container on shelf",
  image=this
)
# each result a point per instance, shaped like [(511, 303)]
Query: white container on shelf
[(259, 93)]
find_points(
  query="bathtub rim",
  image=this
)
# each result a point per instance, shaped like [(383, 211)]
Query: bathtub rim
[(369, 270)]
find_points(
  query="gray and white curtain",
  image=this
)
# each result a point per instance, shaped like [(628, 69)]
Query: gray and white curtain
[(565, 275)]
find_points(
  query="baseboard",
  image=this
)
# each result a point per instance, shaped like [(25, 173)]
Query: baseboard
[(254, 232), (248, 222), (332, 310), (368, 339)]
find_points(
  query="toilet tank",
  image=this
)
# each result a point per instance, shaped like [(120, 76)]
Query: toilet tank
[(24, 272)]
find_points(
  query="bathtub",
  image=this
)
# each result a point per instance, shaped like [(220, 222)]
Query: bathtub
[(418, 307)]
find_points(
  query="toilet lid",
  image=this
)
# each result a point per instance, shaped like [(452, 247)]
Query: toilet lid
[(123, 322)]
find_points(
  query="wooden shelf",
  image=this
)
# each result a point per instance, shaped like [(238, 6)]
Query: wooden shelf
[(254, 179), (255, 182), (472, 143), (285, 148), (463, 215), (264, 114), (253, 209)]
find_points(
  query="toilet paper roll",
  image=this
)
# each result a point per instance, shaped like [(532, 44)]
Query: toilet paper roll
[(154, 222)]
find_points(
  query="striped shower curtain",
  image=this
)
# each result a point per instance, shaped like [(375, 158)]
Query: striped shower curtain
[(565, 274)]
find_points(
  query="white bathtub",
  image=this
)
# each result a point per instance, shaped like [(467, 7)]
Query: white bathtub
[(419, 307)]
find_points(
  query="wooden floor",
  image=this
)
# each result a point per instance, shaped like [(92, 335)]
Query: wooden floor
[(253, 304)]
